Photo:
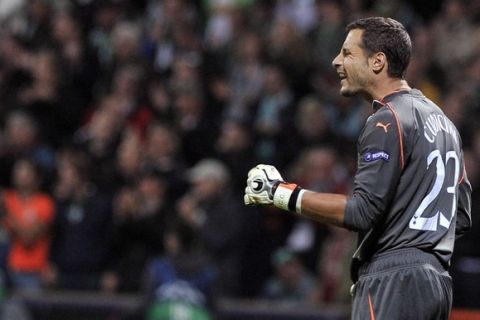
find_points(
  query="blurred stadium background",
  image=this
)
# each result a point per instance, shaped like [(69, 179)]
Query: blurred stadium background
[(127, 129)]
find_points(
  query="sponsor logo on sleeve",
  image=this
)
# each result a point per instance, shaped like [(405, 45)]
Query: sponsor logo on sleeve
[(383, 126), (379, 155)]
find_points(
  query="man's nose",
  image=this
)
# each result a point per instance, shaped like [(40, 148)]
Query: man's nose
[(336, 62)]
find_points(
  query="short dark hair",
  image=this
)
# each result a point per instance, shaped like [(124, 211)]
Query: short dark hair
[(388, 36)]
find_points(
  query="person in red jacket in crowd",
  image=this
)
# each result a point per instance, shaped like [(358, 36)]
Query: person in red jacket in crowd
[(29, 214)]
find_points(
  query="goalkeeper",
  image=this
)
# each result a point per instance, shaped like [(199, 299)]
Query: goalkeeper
[(411, 196)]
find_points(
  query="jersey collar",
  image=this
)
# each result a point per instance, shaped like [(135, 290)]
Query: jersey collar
[(377, 104), (389, 96)]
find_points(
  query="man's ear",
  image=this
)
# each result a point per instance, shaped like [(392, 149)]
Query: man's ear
[(378, 61)]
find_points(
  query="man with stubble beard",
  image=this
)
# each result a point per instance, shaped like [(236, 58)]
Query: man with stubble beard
[(411, 196)]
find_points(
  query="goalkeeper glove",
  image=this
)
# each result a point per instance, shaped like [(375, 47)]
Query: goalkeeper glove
[(265, 186)]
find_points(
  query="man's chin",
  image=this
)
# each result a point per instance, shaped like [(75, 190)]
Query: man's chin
[(347, 92)]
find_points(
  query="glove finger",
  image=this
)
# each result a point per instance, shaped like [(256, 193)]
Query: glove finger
[(270, 171), (247, 200), (255, 172), (250, 194), (252, 171), (265, 167), (251, 199), (262, 198)]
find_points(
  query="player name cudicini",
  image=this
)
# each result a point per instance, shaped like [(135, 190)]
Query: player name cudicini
[(436, 123)]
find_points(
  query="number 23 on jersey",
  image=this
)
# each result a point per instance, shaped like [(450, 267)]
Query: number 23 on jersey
[(419, 221)]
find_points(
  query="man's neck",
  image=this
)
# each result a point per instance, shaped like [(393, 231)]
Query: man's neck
[(387, 87)]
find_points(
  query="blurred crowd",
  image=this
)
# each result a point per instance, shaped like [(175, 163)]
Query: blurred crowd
[(127, 129)]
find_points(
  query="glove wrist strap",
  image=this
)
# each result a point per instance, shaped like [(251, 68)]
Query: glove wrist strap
[(286, 195)]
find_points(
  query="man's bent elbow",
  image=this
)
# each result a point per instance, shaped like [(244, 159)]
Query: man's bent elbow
[(359, 214)]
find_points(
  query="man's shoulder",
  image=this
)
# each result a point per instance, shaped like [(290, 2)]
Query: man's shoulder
[(406, 106), (386, 113), (409, 100)]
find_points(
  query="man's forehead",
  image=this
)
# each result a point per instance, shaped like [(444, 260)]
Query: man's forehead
[(353, 39)]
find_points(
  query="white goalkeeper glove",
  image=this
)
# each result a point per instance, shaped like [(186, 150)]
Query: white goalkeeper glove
[(265, 186), (260, 182)]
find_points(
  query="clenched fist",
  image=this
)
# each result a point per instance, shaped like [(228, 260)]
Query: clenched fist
[(261, 182)]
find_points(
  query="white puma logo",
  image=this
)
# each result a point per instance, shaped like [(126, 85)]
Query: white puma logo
[(384, 126)]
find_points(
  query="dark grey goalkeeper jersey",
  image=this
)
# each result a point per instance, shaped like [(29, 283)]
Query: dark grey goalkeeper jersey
[(410, 189)]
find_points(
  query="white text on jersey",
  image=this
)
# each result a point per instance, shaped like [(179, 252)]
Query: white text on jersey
[(436, 123)]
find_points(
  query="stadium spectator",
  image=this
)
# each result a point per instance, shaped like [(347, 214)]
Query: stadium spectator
[(292, 282), (321, 169), (105, 16), (36, 27), (328, 35), (197, 130), (453, 28), (292, 52), (160, 100), (181, 281), (78, 68), (334, 255), (128, 159), (29, 216), (272, 118), (234, 148), (162, 154), (246, 76), (22, 138), (312, 125), (141, 215), (210, 208), (99, 137), (82, 230)]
